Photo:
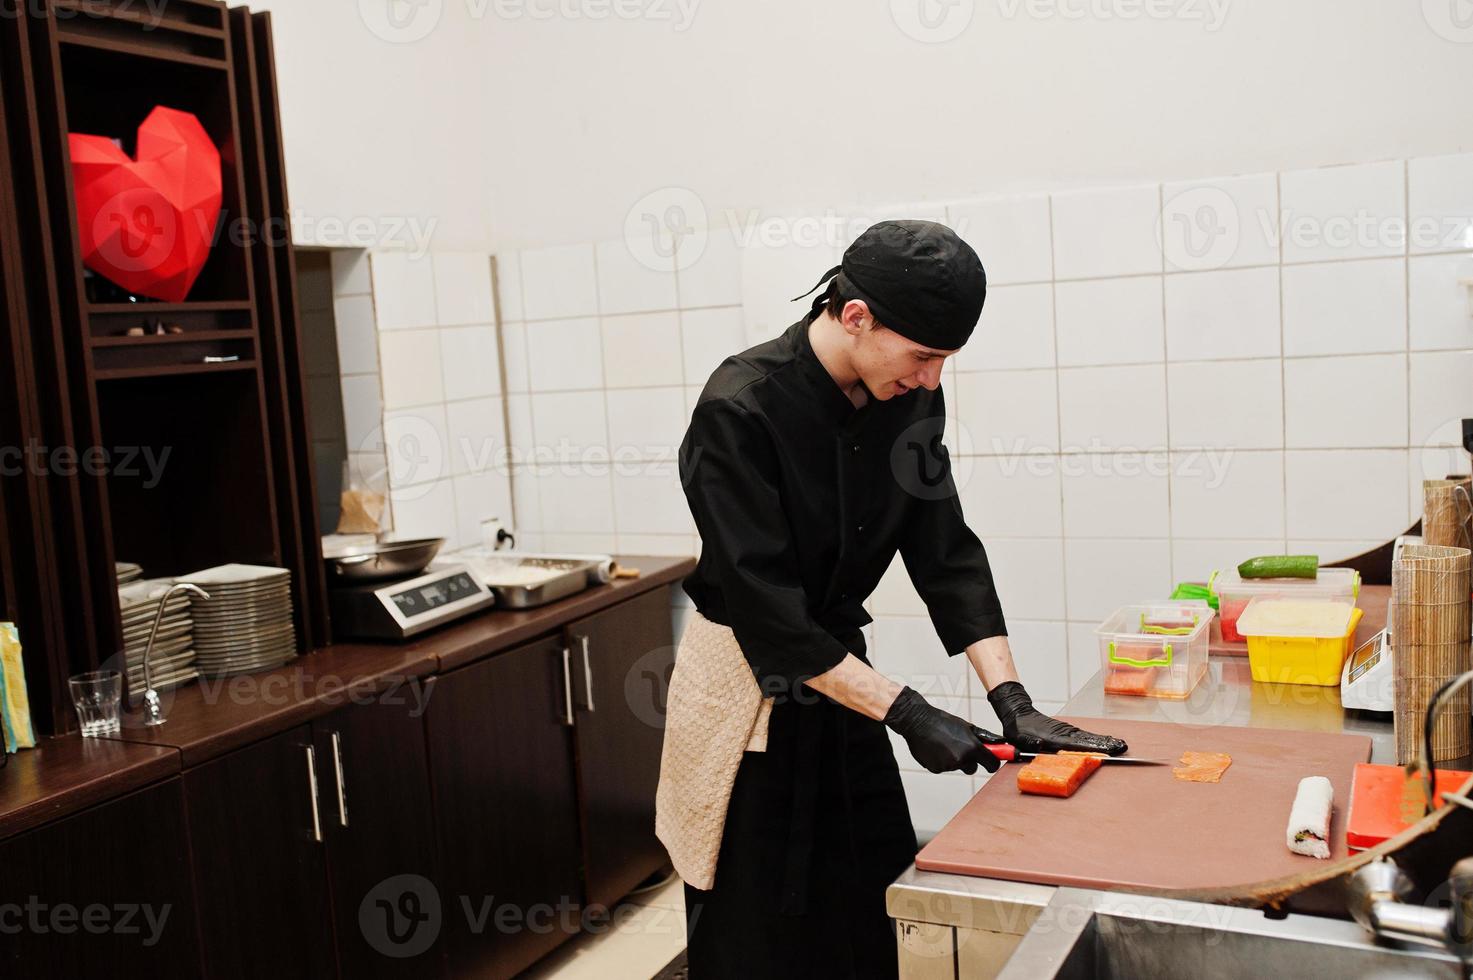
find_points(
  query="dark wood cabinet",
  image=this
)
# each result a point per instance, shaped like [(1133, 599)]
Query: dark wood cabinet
[(260, 868), (466, 827), (378, 827), (104, 893), (505, 807), (622, 658)]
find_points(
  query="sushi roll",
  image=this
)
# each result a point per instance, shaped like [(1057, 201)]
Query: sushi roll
[(1309, 817)]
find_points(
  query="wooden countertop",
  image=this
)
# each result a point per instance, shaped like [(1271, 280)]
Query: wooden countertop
[(62, 775), (209, 718)]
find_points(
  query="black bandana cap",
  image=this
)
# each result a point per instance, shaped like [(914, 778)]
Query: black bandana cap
[(918, 278)]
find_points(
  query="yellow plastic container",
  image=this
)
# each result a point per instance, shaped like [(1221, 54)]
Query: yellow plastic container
[(1298, 642)]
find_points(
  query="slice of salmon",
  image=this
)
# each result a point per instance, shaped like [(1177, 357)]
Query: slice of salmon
[(1202, 767), (1057, 775)]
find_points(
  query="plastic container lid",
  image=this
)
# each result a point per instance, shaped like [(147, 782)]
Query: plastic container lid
[(1329, 582), (1296, 617)]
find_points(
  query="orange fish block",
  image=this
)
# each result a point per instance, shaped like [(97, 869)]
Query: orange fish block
[(1130, 680), (1202, 767), (1057, 775)]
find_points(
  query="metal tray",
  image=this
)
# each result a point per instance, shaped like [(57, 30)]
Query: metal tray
[(499, 573)]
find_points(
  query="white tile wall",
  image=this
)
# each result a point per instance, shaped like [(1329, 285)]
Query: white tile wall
[(708, 337), (1345, 307), (1226, 404), (1017, 332), (443, 418), (1347, 212), (1109, 495), (1107, 232), (627, 285), (1107, 408), (1229, 313), (1013, 231), (1438, 303), (1222, 223), (1440, 195), (1009, 412), (1109, 321), (643, 349), (1348, 402), (1268, 323)]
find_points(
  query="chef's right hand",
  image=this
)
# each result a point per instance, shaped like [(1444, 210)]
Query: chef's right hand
[(938, 740)]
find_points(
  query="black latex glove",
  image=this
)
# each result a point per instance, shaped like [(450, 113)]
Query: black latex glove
[(1030, 730), (938, 740)]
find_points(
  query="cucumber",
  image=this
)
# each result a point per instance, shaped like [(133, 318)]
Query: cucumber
[(1281, 566)]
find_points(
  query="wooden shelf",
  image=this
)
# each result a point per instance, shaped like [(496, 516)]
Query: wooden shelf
[(188, 337), (163, 370), (148, 22), (113, 46), (200, 306)]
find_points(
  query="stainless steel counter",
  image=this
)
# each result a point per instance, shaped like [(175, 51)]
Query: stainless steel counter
[(962, 926)]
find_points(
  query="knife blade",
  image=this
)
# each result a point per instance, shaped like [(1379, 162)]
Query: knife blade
[(1008, 753)]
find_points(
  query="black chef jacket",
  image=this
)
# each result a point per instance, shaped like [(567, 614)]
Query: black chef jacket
[(802, 500)]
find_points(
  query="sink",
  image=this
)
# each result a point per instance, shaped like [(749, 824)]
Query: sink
[(1136, 937)]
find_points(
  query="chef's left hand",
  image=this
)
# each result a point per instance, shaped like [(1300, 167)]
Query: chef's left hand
[(1030, 730)]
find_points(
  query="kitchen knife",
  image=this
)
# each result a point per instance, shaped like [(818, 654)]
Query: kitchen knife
[(1008, 753)]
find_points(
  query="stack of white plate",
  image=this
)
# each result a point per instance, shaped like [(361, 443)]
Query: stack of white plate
[(246, 623), (173, 650), (128, 571)]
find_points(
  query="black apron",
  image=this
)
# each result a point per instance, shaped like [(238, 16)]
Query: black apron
[(816, 829)]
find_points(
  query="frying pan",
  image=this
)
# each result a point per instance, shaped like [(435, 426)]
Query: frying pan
[(381, 560)]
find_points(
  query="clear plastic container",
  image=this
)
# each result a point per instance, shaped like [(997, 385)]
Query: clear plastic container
[(1299, 641), (1155, 649), (1235, 592)]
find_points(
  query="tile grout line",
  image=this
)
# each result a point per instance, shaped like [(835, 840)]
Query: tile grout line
[(1059, 436), (1166, 386), (1283, 364)]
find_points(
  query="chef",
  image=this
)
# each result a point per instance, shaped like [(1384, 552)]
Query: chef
[(809, 462)]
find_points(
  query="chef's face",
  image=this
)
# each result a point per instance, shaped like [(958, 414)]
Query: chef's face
[(889, 364)]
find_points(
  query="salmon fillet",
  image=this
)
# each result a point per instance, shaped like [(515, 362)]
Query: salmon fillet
[(1057, 775), (1202, 767)]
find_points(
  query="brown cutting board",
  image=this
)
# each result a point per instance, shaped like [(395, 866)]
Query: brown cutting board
[(1141, 828)]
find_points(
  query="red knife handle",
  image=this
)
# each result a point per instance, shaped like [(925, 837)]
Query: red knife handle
[(1004, 751)]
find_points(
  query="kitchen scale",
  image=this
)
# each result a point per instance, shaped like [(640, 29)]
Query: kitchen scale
[(1368, 680), (405, 607)]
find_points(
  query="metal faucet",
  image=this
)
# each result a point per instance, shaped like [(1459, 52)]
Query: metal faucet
[(153, 710)]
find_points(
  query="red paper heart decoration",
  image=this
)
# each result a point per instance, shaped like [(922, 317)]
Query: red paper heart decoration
[(146, 223)]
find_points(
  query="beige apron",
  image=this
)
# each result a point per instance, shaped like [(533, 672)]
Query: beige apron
[(714, 713)]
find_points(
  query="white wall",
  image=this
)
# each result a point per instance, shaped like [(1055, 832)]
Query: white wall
[(828, 103), (385, 142), (507, 130)]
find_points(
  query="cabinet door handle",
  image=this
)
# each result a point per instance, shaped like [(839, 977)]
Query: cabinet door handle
[(337, 762), (312, 788), (587, 671), (568, 686)]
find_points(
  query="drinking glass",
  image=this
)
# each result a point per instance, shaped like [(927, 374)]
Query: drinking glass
[(98, 696)]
